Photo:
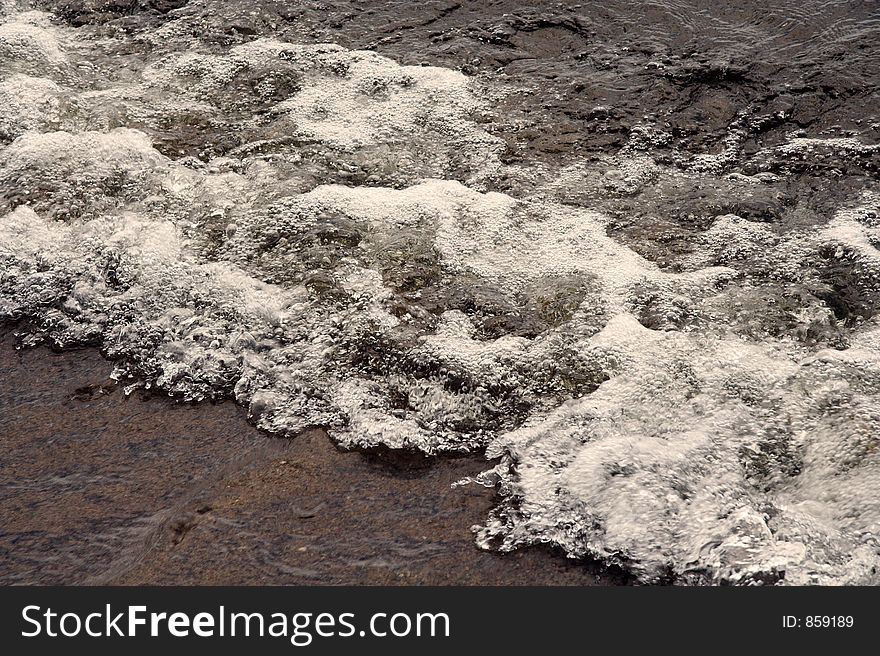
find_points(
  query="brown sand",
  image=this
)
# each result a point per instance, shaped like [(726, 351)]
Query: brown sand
[(100, 488)]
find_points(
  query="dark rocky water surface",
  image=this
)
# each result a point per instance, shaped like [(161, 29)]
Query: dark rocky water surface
[(98, 488), (628, 251)]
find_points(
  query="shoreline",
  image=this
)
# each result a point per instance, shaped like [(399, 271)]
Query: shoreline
[(99, 488)]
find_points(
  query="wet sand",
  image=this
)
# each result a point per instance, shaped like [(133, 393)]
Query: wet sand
[(100, 488)]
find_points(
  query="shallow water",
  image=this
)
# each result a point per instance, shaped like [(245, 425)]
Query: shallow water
[(631, 252)]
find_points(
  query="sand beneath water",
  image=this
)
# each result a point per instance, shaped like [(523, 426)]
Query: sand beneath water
[(100, 488)]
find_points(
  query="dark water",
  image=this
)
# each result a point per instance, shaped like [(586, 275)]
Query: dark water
[(630, 249), (98, 488)]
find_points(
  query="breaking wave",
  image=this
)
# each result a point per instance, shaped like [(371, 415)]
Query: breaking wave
[(313, 231)]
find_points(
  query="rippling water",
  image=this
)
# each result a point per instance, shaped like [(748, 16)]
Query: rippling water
[(631, 252)]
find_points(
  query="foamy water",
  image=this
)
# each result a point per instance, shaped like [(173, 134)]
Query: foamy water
[(346, 263)]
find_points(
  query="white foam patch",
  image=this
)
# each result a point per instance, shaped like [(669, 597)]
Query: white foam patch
[(92, 154), (686, 458), (507, 241), (378, 101), (421, 119), (624, 175), (28, 103), (804, 146), (70, 174), (29, 44), (731, 239)]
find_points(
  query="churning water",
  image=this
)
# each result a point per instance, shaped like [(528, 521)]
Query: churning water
[(334, 238)]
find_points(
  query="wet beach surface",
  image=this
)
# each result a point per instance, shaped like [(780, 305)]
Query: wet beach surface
[(99, 488)]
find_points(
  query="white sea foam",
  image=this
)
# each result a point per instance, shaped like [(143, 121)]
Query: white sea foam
[(29, 44), (28, 103), (642, 415), (705, 456)]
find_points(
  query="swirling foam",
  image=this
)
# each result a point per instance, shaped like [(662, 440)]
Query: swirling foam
[(648, 417)]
